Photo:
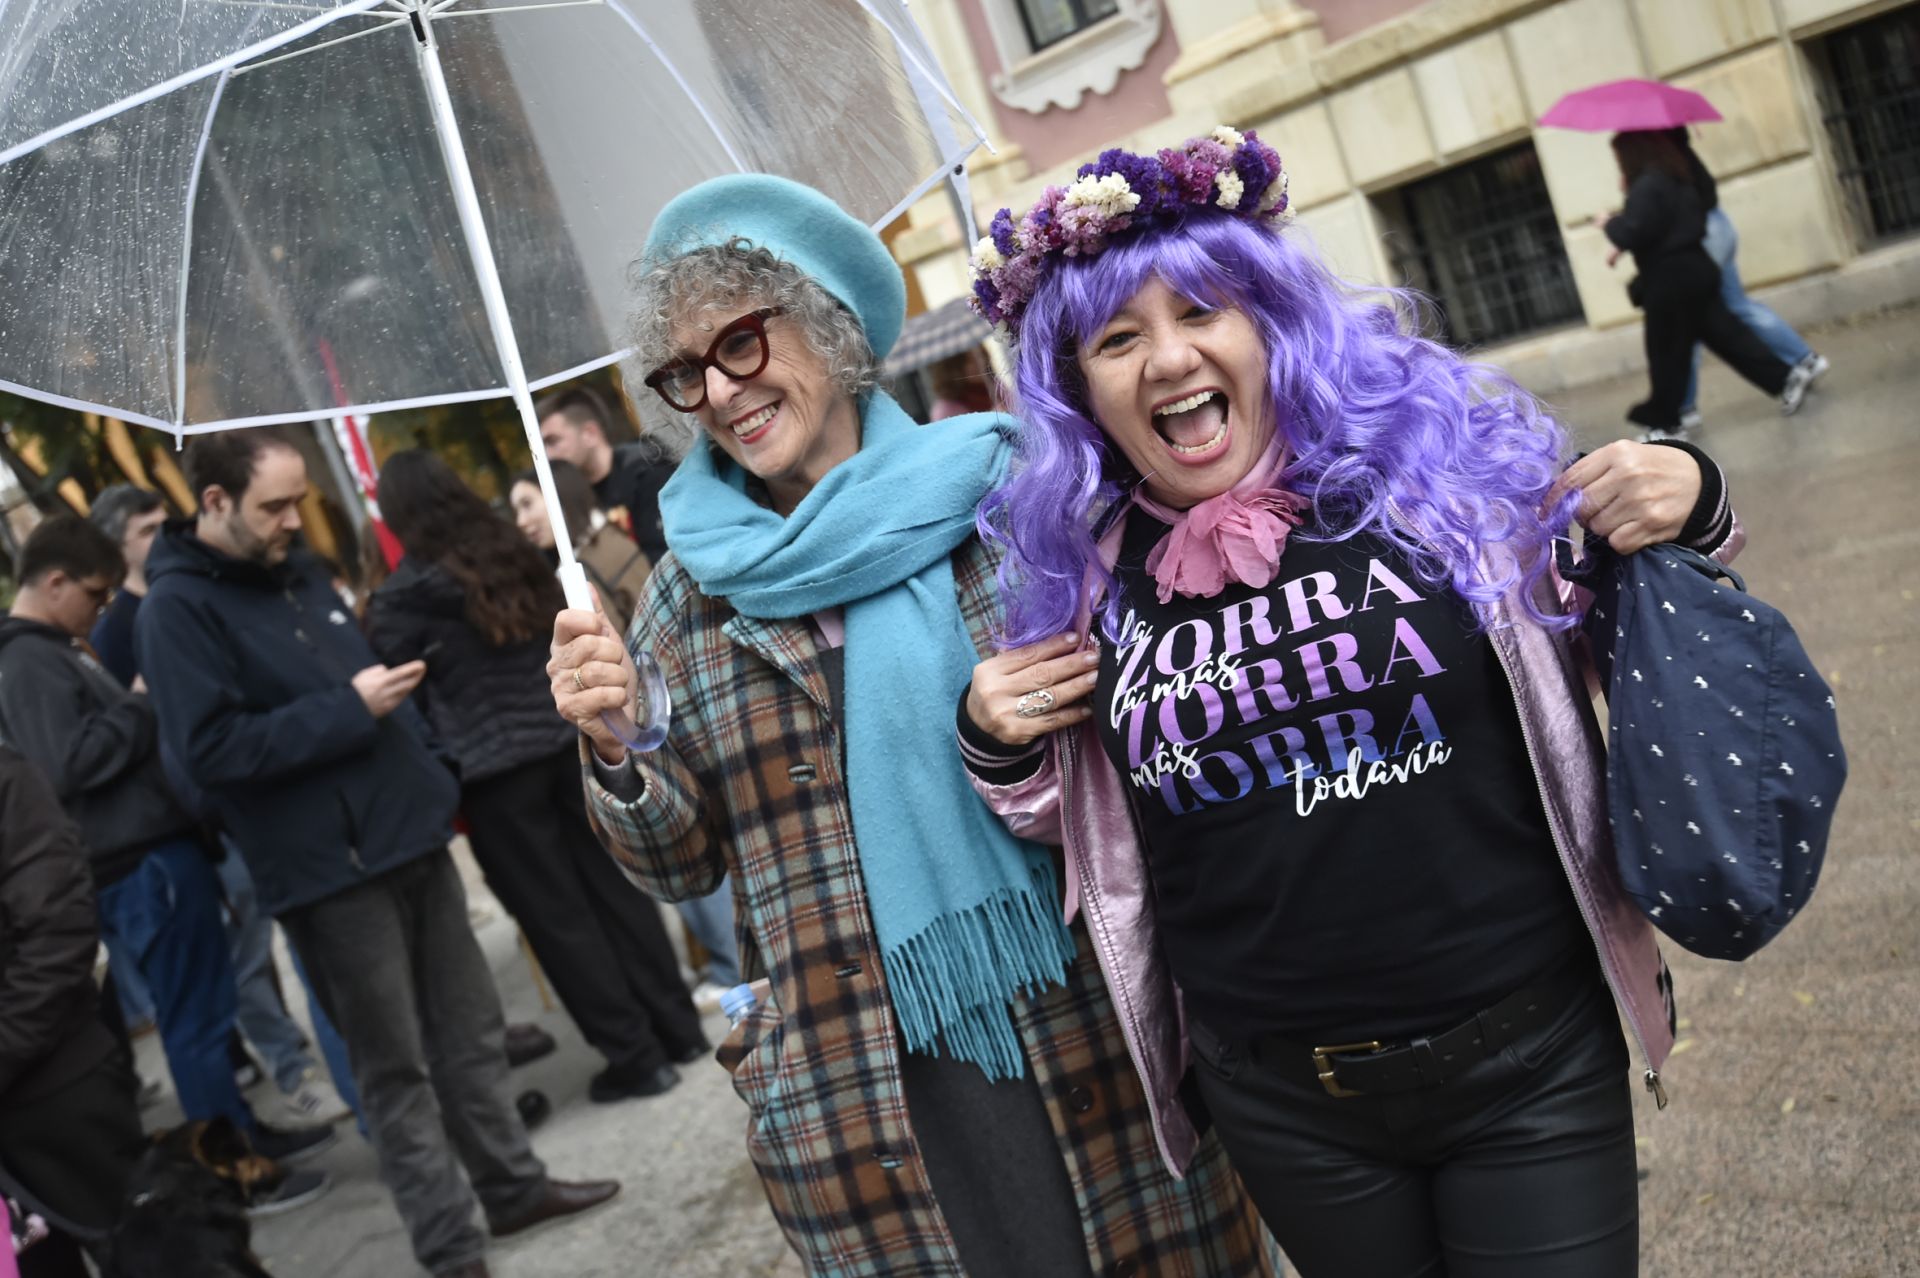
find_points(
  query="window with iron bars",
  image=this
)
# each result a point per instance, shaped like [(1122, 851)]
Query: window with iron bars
[(1051, 21), (1482, 241), (1869, 76)]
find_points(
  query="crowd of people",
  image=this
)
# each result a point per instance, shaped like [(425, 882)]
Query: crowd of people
[(1126, 819)]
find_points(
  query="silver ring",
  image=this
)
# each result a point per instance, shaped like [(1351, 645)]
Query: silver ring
[(1034, 704), (577, 684)]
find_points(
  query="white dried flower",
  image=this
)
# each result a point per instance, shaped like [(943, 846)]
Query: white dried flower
[(986, 257), (1110, 195), (1227, 137), (1231, 188), (1276, 191)]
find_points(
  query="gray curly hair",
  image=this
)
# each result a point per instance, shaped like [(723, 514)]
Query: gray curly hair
[(729, 276)]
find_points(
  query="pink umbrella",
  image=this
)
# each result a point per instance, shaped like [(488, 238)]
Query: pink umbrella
[(1625, 106)]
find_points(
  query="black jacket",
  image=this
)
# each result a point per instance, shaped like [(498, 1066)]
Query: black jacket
[(492, 706), (251, 669), (1664, 216), (94, 740), (640, 471), (49, 1034)]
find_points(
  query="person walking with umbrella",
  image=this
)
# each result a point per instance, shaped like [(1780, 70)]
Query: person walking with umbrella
[(937, 1079), (1679, 287)]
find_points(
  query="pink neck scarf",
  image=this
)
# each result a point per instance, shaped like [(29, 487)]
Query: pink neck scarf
[(1236, 536)]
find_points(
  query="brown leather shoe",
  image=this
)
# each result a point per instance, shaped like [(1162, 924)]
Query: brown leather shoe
[(472, 1269), (562, 1198)]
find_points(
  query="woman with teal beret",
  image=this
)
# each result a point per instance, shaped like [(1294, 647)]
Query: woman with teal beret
[(935, 1074)]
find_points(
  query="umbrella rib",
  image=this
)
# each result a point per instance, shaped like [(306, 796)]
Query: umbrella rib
[(514, 8), (726, 143), (186, 254), (279, 4), (324, 44)]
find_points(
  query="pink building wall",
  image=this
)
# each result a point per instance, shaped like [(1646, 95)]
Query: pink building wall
[(1057, 135), (1341, 18)]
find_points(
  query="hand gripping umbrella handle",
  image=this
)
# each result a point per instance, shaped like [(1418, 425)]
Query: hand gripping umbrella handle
[(645, 731)]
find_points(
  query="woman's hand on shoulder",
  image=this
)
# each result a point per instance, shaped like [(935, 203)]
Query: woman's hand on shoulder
[(592, 675), (1056, 666), (1634, 495)]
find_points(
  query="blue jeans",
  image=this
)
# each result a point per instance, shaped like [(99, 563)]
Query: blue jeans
[(1723, 244), (263, 1017), (710, 919), (165, 916)]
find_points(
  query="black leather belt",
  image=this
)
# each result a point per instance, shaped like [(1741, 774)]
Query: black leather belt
[(1376, 1068)]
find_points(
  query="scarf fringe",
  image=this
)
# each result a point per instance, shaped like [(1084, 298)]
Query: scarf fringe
[(952, 984)]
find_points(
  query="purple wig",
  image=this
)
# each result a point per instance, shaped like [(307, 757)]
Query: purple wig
[(1377, 422)]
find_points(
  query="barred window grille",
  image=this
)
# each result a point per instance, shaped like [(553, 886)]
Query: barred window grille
[(1051, 21), (1483, 242), (1870, 81)]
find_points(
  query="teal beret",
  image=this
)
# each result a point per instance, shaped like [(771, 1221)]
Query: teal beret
[(799, 225)]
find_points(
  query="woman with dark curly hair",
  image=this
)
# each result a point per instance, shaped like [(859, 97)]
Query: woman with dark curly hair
[(473, 599)]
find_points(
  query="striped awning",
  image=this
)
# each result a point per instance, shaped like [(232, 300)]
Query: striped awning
[(930, 337)]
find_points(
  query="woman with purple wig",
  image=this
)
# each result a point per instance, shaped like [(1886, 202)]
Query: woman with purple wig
[(1289, 678)]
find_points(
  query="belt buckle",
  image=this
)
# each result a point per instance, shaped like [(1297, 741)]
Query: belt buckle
[(1323, 1063)]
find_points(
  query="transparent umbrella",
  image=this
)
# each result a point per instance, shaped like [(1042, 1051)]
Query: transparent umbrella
[(226, 213)]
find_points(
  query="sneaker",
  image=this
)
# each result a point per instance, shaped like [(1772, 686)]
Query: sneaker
[(707, 996), (312, 1100), (1816, 365), (247, 1076), (1799, 377), (290, 1144), (286, 1190)]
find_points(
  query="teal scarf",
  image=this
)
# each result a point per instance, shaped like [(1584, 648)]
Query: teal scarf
[(968, 916)]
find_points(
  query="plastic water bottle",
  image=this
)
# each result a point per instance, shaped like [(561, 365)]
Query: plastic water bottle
[(737, 1002)]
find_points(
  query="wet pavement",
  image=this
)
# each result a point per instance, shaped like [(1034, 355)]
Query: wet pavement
[(1792, 1143)]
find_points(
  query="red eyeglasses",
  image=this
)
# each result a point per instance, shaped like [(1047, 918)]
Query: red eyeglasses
[(739, 350)]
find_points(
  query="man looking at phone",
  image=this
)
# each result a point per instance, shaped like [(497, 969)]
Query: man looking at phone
[(311, 755)]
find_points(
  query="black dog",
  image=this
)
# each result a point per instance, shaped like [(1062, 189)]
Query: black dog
[(186, 1215)]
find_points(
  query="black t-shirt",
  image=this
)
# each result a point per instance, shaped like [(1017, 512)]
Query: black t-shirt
[(632, 488), (1345, 833)]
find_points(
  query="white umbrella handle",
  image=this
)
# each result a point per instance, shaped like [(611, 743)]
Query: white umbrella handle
[(655, 705)]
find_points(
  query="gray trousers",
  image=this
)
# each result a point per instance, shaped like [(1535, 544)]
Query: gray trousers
[(396, 965)]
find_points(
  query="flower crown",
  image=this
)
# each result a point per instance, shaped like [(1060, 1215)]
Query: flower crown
[(1120, 191)]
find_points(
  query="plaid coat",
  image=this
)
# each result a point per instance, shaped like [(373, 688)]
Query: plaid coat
[(750, 784)]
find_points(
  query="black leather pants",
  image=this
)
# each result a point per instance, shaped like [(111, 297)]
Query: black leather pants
[(1522, 1167)]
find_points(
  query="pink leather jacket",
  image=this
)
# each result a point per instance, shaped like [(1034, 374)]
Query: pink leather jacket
[(1078, 801)]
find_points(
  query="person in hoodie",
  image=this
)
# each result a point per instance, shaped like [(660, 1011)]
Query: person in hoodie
[(477, 597), (312, 757), (159, 897)]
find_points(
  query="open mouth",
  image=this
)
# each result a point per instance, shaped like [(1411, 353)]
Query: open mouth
[(750, 427), (1193, 427)]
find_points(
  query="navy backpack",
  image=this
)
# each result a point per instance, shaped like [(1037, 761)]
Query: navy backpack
[(1724, 759)]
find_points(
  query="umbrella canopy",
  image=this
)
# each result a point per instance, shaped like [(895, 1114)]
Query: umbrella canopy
[(1628, 106), (930, 337), (200, 198)]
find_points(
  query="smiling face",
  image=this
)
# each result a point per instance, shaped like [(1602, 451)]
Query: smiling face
[(790, 424), (1181, 389)]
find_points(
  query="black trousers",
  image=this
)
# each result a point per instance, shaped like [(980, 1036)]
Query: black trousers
[(1681, 297), (1522, 1166), (597, 936)]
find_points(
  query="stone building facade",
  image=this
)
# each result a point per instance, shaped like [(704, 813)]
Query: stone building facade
[(1408, 130)]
